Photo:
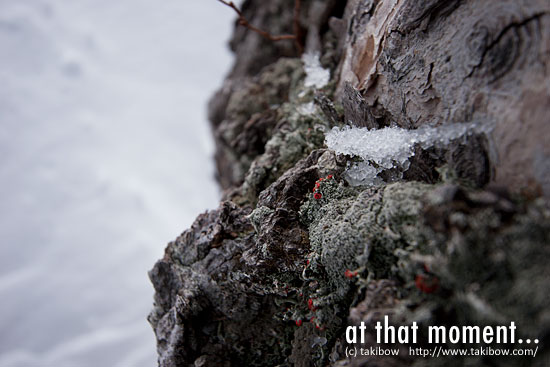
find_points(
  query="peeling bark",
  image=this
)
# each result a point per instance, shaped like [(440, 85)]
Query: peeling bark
[(437, 62)]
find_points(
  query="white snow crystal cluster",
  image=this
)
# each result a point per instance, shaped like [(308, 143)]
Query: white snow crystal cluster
[(391, 147), (316, 76)]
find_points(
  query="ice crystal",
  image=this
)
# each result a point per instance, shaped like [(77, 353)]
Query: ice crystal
[(316, 76), (391, 147), (362, 173)]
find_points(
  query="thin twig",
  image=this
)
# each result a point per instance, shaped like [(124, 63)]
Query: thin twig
[(244, 22)]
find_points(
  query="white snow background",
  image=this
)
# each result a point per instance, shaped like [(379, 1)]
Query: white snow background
[(105, 156)]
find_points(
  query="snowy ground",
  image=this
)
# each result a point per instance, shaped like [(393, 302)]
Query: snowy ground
[(104, 157)]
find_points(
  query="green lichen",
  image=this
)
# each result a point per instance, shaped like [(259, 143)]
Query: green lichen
[(363, 231), (258, 215), (297, 134), (492, 268), (269, 89)]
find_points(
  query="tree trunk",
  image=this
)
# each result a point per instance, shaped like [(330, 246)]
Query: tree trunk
[(296, 254)]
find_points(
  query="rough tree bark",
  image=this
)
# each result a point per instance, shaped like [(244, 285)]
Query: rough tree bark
[(462, 237), (457, 61)]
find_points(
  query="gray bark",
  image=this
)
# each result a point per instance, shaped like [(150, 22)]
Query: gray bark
[(293, 255)]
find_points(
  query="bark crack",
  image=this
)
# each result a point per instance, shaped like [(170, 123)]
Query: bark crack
[(501, 35)]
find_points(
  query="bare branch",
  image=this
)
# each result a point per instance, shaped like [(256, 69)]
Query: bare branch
[(244, 22)]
